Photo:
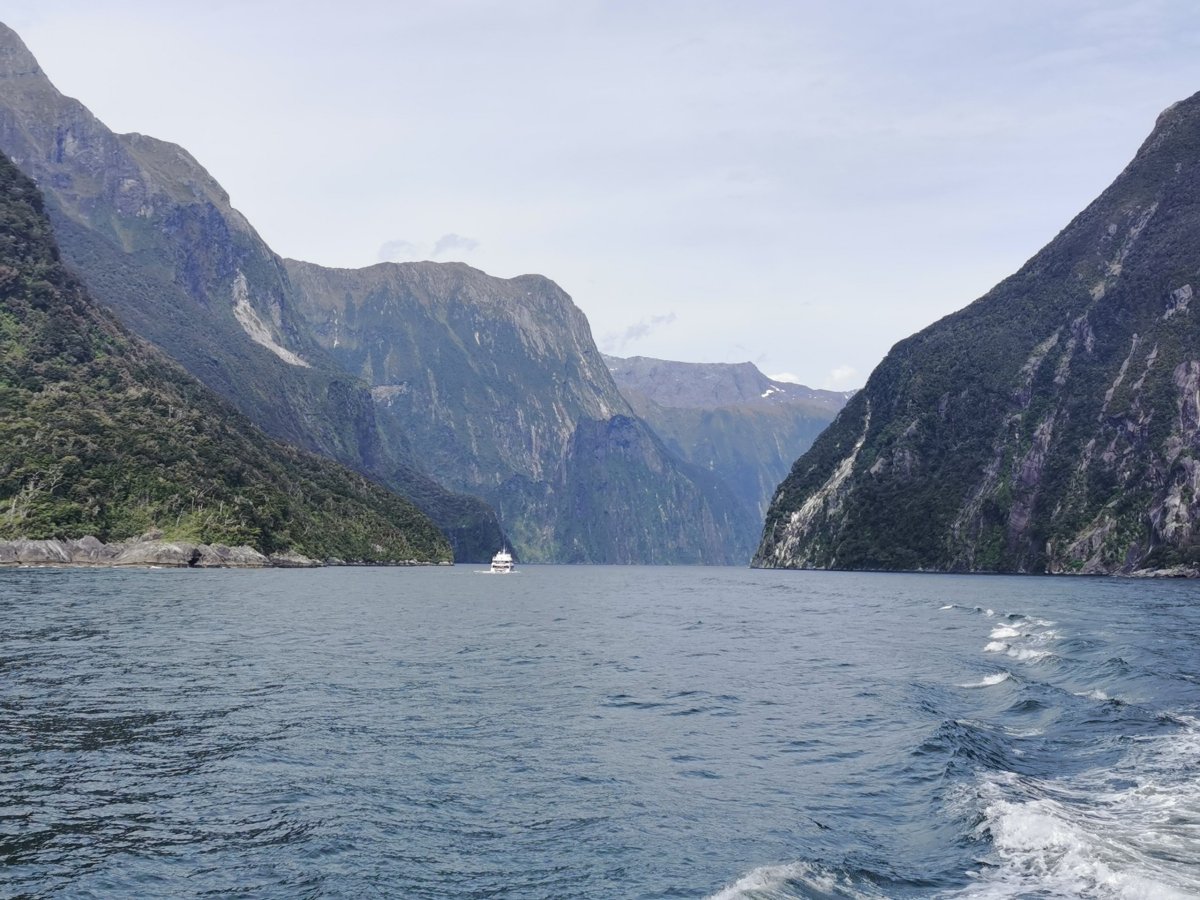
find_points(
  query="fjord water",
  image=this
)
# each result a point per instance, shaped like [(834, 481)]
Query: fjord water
[(597, 732)]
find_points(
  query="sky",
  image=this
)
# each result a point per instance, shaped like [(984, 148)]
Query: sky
[(798, 184)]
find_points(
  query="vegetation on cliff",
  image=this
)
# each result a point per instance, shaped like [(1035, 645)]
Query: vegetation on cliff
[(1052, 425), (157, 242), (497, 385), (101, 434)]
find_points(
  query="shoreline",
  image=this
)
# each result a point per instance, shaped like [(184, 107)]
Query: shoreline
[(151, 551)]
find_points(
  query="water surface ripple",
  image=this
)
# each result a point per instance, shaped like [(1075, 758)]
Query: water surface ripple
[(597, 732)]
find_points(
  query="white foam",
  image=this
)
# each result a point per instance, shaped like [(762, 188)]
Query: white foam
[(1044, 852), (948, 606), (772, 882), (989, 613), (1125, 833), (989, 680), (1005, 631), (1093, 695), (1027, 655), (995, 647)]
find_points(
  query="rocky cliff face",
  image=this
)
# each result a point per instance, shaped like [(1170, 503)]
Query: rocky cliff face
[(157, 241), (729, 420), (496, 385), (1051, 426)]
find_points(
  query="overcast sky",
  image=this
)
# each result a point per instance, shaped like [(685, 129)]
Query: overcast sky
[(798, 184)]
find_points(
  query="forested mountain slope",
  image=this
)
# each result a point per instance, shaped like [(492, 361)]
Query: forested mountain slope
[(1051, 426), (101, 434)]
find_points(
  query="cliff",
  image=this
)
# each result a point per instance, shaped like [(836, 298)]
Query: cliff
[(729, 420), (156, 240), (497, 386), (101, 435), (1051, 426)]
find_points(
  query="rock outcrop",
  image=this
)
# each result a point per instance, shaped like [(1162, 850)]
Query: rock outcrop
[(90, 551)]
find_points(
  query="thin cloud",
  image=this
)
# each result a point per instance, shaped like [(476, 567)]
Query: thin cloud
[(616, 342), (399, 251), (448, 245), (841, 378), (453, 244)]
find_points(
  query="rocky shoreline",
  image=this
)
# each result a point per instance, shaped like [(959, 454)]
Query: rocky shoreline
[(151, 550)]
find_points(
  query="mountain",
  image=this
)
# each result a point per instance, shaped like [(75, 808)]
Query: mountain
[(156, 240), (728, 419), (518, 409), (100, 434), (1051, 426), (497, 386)]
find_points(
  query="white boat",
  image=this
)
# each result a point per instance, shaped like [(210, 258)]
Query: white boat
[(502, 562)]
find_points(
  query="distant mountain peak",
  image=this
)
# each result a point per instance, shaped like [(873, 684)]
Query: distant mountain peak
[(687, 385)]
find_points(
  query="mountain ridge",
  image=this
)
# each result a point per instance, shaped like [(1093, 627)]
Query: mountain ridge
[(520, 409), (564, 458), (1046, 427)]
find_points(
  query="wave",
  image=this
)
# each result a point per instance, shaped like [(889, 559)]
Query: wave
[(989, 680), (1028, 654), (1125, 833), (1028, 645), (797, 879)]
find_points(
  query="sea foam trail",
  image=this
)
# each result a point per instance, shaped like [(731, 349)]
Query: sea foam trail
[(1123, 834), (989, 680), (792, 880)]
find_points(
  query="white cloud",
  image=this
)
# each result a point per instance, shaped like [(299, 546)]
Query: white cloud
[(841, 378), (738, 165), (453, 245), (399, 251), (616, 342), (786, 376)]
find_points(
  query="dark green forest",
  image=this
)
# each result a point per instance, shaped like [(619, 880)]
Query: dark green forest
[(101, 434)]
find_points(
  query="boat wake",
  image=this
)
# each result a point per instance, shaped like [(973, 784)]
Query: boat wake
[(1099, 800), (798, 879)]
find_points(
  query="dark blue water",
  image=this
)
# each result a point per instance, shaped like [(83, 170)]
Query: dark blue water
[(597, 733)]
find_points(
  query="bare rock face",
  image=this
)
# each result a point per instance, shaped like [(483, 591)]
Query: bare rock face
[(26, 552), (497, 385), (1051, 426)]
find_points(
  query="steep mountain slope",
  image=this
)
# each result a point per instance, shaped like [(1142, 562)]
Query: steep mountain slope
[(157, 241), (101, 434), (498, 387), (728, 419), (1053, 425)]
